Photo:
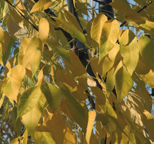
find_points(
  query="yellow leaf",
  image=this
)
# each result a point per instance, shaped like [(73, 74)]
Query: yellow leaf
[(40, 78), (91, 120), (43, 29), (96, 27), (41, 5), (32, 55), (109, 36), (109, 60), (72, 19), (123, 83), (130, 54), (15, 77)]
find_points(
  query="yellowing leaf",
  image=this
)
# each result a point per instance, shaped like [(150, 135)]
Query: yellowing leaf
[(71, 29), (32, 56), (15, 77), (43, 29), (43, 136), (52, 94), (41, 5), (59, 49), (28, 100), (109, 36), (96, 27), (130, 54), (146, 49), (123, 83), (30, 119), (91, 119), (72, 19)]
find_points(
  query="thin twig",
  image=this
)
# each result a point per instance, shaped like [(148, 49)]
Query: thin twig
[(138, 12)]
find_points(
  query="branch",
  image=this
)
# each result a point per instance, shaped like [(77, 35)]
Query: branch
[(35, 27), (138, 11)]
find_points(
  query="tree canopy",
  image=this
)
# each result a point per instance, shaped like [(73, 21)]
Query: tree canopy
[(72, 74)]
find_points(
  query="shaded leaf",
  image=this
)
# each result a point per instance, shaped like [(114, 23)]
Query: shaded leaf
[(43, 136), (123, 83), (146, 49), (52, 94), (59, 49)]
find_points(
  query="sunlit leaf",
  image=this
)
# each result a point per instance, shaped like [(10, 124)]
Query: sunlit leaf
[(32, 56), (91, 119), (41, 5), (43, 29), (15, 77), (123, 83), (109, 36), (72, 19), (97, 27), (130, 54)]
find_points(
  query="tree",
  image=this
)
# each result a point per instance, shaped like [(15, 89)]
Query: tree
[(65, 79)]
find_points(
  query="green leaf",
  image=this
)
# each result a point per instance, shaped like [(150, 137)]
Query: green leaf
[(16, 122), (146, 49), (109, 36), (59, 49), (32, 56), (28, 100), (43, 136), (123, 83), (130, 54), (52, 94)]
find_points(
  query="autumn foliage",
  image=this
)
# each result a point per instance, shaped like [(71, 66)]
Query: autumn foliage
[(46, 95)]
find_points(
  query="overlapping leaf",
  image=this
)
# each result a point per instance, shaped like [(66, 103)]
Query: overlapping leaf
[(109, 36)]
